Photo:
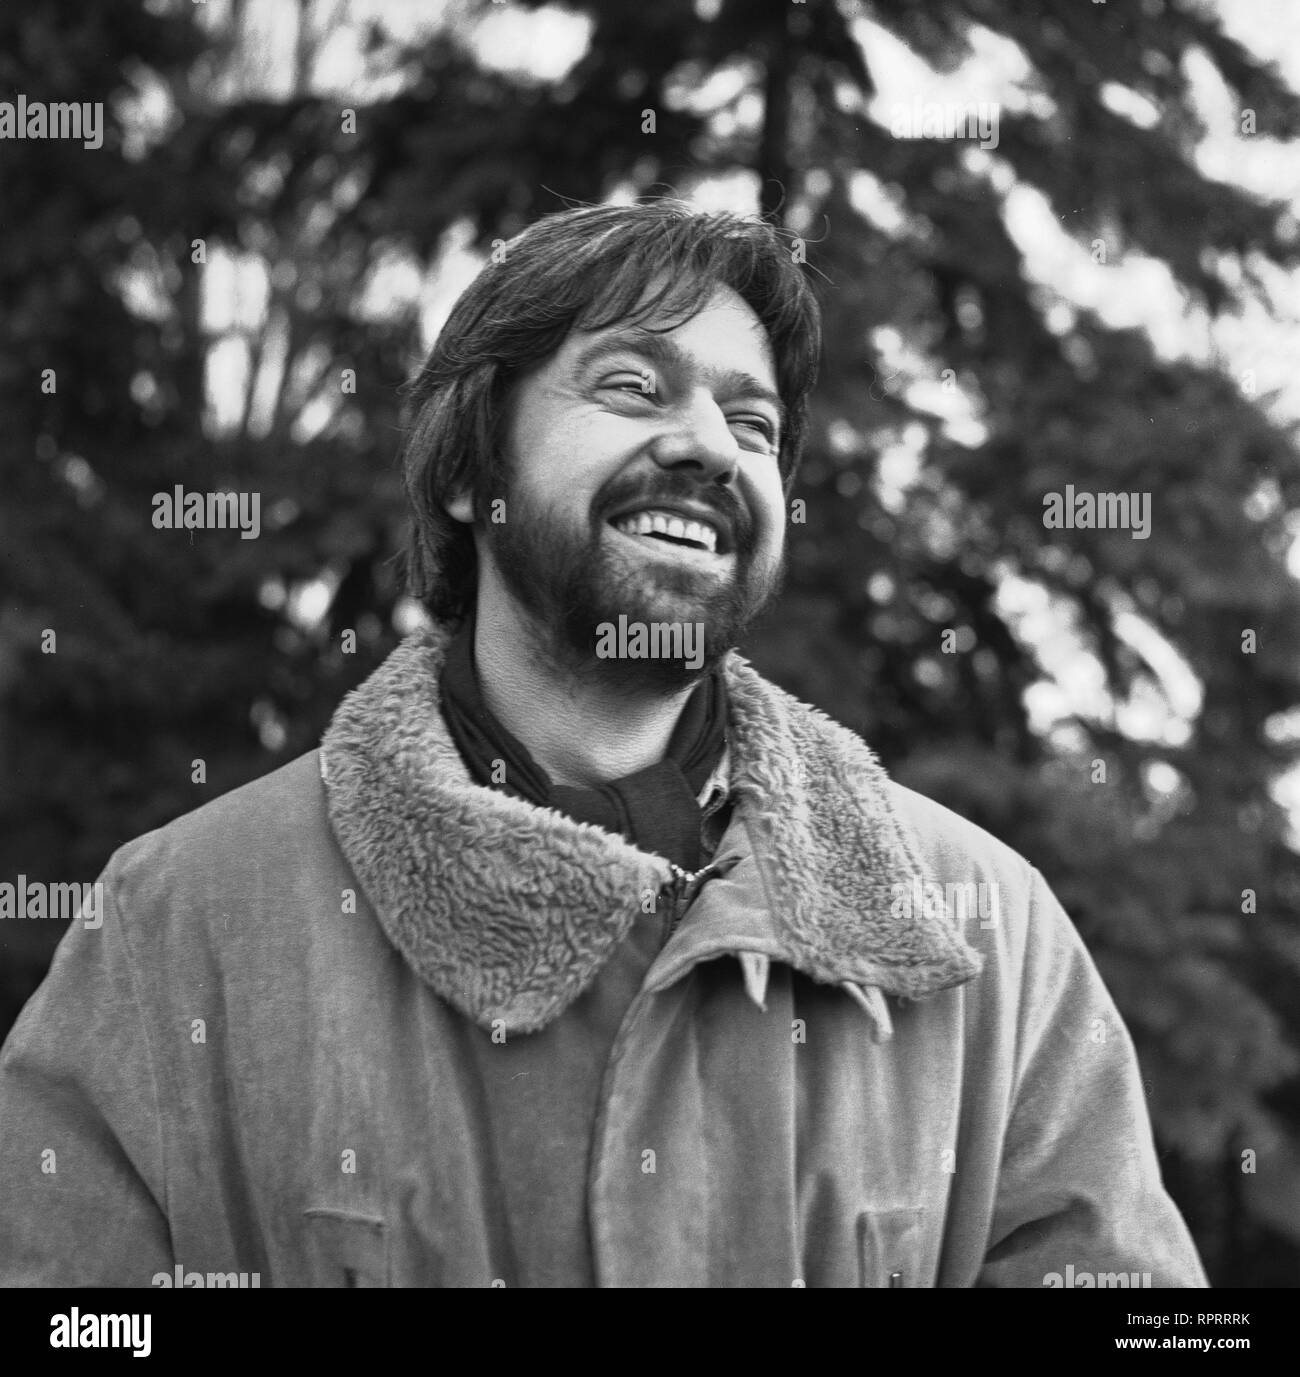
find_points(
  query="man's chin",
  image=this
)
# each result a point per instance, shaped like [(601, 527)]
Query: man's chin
[(716, 589), (660, 642), (635, 625), (641, 678), (663, 572), (666, 629)]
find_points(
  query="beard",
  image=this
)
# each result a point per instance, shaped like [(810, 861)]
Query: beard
[(573, 576)]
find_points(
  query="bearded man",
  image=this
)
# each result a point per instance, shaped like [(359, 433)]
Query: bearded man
[(580, 954)]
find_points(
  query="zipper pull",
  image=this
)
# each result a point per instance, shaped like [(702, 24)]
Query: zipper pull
[(675, 889), (683, 885)]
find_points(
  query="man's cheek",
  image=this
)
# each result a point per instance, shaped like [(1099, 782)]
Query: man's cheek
[(770, 538)]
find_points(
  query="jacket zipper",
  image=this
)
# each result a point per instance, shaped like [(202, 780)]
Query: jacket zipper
[(683, 886)]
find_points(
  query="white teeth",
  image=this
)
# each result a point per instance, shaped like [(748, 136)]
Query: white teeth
[(665, 523)]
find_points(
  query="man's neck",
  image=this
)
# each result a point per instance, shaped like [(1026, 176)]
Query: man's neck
[(581, 731)]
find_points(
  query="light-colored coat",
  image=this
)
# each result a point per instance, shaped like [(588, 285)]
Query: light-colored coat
[(839, 1085)]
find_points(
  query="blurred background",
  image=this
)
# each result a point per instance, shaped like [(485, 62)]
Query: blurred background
[(290, 194)]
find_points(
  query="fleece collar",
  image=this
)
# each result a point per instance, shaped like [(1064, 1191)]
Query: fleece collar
[(508, 911)]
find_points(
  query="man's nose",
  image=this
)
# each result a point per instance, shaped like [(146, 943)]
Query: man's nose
[(698, 437)]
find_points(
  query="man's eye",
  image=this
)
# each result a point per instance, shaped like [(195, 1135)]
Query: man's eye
[(758, 423), (642, 385)]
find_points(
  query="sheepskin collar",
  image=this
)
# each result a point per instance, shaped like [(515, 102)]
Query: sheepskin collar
[(508, 911)]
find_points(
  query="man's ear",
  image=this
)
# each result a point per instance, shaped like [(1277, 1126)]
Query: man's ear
[(461, 507)]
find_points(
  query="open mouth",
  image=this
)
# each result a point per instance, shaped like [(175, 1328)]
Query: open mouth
[(670, 528)]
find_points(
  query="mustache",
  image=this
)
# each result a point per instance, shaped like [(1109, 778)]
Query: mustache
[(666, 488)]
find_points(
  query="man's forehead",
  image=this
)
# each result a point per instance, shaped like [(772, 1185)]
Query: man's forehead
[(724, 323)]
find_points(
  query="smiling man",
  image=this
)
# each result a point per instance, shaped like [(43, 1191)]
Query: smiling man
[(578, 957)]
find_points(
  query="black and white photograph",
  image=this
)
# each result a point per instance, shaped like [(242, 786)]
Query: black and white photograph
[(649, 644)]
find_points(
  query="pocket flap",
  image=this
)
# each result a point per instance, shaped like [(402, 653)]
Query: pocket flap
[(345, 1249), (892, 1247)]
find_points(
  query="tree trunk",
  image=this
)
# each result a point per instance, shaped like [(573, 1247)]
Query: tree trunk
[(774, 143)]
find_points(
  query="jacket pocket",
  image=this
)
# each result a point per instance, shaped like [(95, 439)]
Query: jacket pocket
[(892, 1247), (345, 1249)]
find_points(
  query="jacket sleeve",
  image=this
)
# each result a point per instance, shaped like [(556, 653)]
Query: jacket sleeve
[(1079, 1191), (81, 1189)]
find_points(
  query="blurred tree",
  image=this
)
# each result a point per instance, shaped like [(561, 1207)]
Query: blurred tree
[(254, 216)]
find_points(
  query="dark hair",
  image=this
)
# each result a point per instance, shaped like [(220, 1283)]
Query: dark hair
[(586, 269)]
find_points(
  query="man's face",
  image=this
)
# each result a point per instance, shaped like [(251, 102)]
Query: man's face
[(644, 483)]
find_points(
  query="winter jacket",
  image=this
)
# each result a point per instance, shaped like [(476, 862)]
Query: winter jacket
[(261, 1063)]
